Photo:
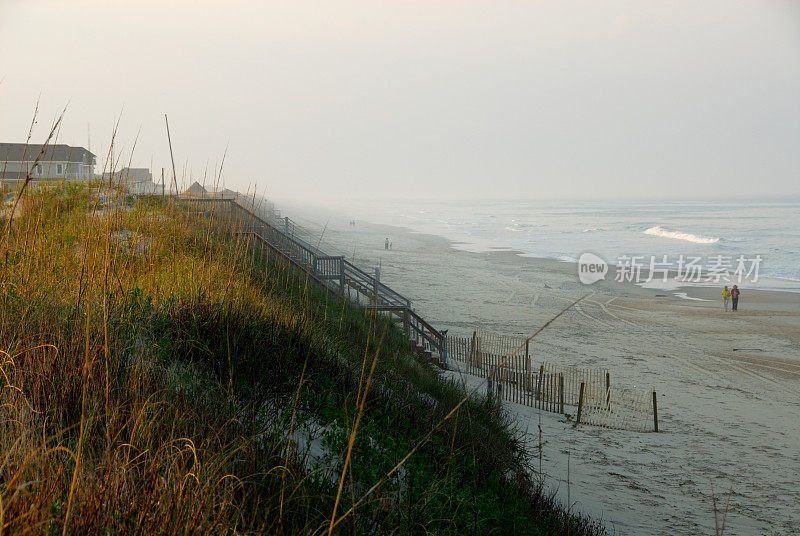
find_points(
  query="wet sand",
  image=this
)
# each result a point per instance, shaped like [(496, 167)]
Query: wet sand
[(728, 383)]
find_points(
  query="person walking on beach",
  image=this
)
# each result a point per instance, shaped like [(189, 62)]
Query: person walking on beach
[(735, 298), (726, 295), (386, 244)]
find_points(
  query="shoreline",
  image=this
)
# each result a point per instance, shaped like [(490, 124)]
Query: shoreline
[(728, 383), (702, 291), (766, 283)]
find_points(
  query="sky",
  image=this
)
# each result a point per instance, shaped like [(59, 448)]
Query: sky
[(329, 101)]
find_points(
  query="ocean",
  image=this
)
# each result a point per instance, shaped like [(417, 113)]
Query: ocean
[(760, 238)]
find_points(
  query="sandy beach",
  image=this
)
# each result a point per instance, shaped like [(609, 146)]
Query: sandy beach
[(728, 383)]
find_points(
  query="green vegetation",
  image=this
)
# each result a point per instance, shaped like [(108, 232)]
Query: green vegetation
[(161, 376)]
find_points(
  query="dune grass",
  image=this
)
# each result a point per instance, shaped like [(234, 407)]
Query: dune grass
[(160, 375)]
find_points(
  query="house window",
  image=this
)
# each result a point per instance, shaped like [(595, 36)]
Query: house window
[(60, 169)]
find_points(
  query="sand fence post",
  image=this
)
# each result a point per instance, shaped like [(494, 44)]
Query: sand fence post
[(527, 373), (608, 390), (546, 379), (472, 350), (490, 380), (580, 404), (560, 393), (655, 412), (539, 385), (527, 365)]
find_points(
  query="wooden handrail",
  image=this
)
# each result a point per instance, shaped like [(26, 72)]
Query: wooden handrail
[(388, 300)]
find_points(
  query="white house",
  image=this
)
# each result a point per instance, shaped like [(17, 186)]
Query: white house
[(58, 162)]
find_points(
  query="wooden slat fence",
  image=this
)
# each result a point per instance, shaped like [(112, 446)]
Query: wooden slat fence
[(549, 386), (622, 409), (595, 380), (499, 345)]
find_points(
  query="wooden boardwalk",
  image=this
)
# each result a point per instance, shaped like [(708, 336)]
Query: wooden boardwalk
[(506, 363), (334, 273)]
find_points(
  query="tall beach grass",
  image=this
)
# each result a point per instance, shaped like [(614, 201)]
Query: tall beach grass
[(161, 375)]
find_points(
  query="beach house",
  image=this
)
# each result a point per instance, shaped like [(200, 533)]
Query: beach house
[(135, 181), (198, 190), (57, 162), (128, 175)]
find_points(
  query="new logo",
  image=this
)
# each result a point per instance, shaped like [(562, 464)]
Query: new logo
[(591, 268)]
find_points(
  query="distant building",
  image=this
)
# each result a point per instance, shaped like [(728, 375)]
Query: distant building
[(57, 162), (195, 190), (130, 175), (145, 188), (135, 181), (198, 190), (224, 193)]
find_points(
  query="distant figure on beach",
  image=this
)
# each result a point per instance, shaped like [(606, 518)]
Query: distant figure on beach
[(726, 295), (735, 298), (390, 245), (386, 244)]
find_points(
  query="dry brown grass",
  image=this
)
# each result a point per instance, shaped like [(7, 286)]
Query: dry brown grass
[(157, 374)]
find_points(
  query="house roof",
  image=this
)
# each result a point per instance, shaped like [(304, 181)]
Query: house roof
[(210, 191), (195, 188), (224, 192), (131, 175), (22, 152)]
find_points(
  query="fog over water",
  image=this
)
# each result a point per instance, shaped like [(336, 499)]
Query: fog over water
[(327, 101)]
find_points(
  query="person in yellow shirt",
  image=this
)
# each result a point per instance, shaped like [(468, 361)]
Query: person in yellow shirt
[(726, 295)]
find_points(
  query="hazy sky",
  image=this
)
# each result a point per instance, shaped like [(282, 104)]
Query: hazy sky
[(450, 99)]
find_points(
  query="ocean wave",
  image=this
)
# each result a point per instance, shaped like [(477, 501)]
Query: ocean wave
[(592, 230), (677, 235), (514, 229)]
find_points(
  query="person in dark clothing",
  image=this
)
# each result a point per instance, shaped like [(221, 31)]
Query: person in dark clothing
[(735, 298)]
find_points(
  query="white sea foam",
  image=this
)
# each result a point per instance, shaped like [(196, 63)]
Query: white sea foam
[(677, 235), (591, 230)]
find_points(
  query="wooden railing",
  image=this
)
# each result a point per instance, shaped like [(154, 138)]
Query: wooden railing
[(505, 361), (332, 272)]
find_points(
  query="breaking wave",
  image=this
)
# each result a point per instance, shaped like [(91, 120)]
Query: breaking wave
[(677, 235)]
